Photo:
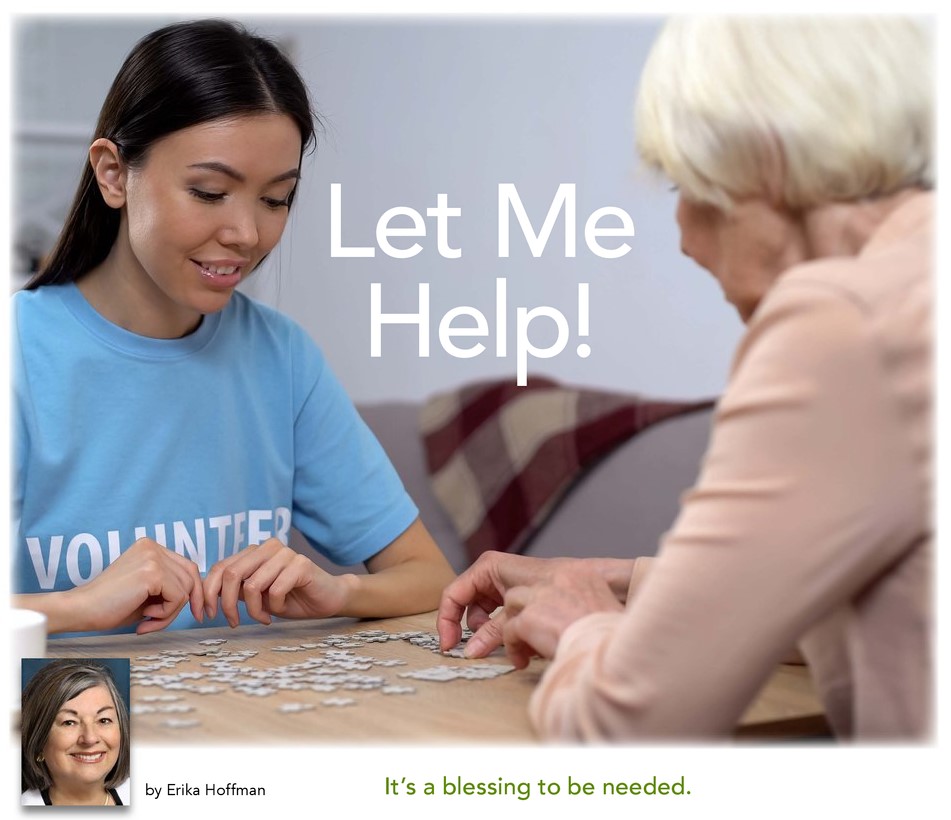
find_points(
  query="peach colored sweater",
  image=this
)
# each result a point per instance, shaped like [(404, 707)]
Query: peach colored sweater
[(810, 522)]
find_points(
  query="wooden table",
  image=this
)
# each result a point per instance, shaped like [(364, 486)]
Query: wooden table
[(491, 710)]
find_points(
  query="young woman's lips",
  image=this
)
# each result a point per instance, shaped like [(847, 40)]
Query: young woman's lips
[(220, 275)]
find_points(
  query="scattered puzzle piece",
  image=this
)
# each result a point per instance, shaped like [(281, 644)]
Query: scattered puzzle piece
[(447, 673), (180, 723), (141, 709), (295, 707), (330, 665)]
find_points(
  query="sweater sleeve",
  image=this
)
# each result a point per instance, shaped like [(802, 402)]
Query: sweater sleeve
[(804, 496)]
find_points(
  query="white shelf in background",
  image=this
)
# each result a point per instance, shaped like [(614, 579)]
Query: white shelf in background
[(52, 132)]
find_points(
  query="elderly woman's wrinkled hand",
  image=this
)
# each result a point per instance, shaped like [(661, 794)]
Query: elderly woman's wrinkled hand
[(481, 590), (535, 617), (519, 582)]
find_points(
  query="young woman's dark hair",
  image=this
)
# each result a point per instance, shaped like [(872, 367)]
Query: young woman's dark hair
[(182, 75)]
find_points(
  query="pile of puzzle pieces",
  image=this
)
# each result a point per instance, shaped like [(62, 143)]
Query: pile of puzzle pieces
[(334, 667)]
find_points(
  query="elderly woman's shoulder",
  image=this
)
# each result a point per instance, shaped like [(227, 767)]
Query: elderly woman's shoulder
[(870, 286), (889, 282), (853, 324)]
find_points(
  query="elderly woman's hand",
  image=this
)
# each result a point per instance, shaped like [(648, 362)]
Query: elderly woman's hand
[(480, 590), (536, 616), (485, 587)]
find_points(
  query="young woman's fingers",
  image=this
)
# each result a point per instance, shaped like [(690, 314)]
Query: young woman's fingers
[(297, 573), (211, 588), (262, 583), (236, 570), (188, 576), (161, 613)]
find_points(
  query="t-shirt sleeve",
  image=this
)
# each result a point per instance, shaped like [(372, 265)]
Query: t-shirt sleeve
[(20, 434), (808, 491), (349, 501)]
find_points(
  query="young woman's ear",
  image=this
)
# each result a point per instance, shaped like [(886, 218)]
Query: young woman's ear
[(110, 171)]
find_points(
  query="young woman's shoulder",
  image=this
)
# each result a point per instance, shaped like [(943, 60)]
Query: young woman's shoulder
[(35, 300), (32, 311), (254, 314), (269, 334)]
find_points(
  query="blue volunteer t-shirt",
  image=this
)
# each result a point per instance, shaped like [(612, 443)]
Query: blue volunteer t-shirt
[(206, 444)]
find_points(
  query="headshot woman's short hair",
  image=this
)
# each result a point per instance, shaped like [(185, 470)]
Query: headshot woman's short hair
[(51, 687), (805, 111)]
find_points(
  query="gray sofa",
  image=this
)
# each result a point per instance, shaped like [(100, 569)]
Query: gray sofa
[(619, 509)]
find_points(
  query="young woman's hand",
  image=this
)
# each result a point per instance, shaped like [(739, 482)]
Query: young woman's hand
[(273, 579), (148, 584)]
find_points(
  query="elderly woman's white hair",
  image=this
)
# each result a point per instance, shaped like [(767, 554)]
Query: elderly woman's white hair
[(805, 111)]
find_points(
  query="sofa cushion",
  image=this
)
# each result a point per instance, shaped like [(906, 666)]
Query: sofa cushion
[(501, 457), (619, 509), (622, 507)]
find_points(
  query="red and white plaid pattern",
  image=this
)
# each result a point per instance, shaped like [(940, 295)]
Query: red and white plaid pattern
[(501, 457)]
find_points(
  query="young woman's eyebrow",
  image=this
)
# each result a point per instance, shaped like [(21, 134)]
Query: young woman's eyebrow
[(221, 168)]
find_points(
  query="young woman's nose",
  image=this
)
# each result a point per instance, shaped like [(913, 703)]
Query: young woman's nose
[(240, 227)]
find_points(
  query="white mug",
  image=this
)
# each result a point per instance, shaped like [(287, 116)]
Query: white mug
[(27, 640)]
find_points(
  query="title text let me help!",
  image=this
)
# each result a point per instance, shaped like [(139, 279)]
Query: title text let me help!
[(476, 326)]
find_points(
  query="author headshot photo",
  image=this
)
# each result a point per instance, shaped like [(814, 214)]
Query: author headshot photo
[(75, 737)]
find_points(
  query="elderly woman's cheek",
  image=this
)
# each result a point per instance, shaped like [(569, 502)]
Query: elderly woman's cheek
[(698, 234)]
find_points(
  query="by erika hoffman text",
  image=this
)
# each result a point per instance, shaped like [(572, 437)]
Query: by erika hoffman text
[(460, 329), (193, 790)]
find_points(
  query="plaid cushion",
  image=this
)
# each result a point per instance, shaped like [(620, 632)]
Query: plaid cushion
[(501, 457)]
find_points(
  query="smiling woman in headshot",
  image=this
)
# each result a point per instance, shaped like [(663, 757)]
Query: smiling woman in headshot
[(75, 737)]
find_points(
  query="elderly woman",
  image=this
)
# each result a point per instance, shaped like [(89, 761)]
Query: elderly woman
[(802, 153), (75, 737)]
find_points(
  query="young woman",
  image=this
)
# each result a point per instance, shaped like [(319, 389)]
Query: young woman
[(74, 737), (168, 430)]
